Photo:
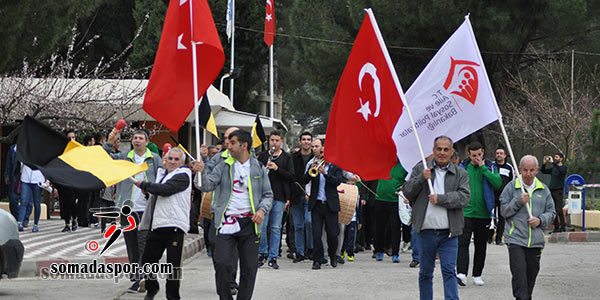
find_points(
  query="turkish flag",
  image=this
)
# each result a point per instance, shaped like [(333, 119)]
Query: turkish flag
[(269, 23), (170, 94), (365, 109)]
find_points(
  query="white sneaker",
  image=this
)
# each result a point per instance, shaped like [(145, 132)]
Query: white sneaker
[(461, 279), (404, 247), (478, 281)]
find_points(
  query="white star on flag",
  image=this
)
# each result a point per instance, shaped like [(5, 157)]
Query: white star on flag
[(268, 17)]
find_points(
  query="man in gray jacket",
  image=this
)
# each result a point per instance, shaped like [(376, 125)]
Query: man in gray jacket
[(524, 235), (243, 197), (131, 195), (438, 215)]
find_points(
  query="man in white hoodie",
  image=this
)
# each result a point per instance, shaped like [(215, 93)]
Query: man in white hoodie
[(167, 217)]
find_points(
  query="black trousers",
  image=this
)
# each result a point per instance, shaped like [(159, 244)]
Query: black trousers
[(524, 267), (290, 236), (159, 240), (135, 241), (557, 196), (83, 207), (369, 223), (195, 212), (245, 244), (68, 206), (479, 228), (500, 222), (386, 216), (321, 216)]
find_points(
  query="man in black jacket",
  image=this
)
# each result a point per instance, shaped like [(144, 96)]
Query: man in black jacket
[(299, 202), (558, 171), (324, 205), (281, 173)]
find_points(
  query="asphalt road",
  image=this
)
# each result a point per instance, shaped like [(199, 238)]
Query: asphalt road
[(568, 271)]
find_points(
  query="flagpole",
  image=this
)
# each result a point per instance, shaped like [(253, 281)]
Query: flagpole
[(196, 98), (271, 79), (399, 88), (232, 51), (506, 141)]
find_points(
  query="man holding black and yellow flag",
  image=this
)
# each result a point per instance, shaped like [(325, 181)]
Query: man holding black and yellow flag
[(129, 194)]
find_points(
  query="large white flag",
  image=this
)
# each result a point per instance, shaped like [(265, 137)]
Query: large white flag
[(451, 97)]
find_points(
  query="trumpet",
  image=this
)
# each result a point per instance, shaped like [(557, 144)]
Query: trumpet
[(314, 170)]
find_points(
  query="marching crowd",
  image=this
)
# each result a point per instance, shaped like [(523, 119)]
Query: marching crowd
[(254, 197)]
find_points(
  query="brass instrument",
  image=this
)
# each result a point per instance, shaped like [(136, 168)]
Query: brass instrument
[(314, 170)]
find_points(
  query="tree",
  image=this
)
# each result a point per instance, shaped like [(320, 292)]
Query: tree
[(85, 102), (544, 106)]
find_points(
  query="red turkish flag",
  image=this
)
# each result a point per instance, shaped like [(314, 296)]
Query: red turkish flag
[(365, 109), (170, 94), (270, 23)]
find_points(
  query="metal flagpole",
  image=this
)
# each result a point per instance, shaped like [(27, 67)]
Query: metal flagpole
[(399, 88), (232, 51), (510, 152), (271, 78), (196, 98)]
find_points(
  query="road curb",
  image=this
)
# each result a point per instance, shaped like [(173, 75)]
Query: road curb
[(194, 243), (574, 237)]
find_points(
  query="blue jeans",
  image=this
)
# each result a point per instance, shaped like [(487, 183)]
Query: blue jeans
[(302, 221), (349, 238), (274, 236), (430, 243), (414, 243), (30, 193)]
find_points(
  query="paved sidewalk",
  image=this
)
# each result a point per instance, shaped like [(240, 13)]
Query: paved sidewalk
[(50, 245), (568, 271)]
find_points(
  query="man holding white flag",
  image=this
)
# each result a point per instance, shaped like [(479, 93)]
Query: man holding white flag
[(451, 97)]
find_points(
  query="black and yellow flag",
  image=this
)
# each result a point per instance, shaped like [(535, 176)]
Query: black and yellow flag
[(206, 117), (67, 162), (258, 133)]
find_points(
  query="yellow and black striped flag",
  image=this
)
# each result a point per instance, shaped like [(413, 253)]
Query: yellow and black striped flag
[(67, 162), (206, 117), (258, 133)]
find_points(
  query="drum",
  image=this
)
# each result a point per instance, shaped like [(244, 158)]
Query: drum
[(348, 194), (205, 206)]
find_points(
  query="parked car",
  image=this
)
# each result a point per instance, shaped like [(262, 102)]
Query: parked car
[(11, 248)]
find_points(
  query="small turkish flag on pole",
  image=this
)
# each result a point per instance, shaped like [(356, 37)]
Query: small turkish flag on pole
[(170, 96), (269, 23), (365, 109)]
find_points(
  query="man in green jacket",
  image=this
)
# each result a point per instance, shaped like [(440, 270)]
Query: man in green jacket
[(483, 179), (386, 212), (524, 235)]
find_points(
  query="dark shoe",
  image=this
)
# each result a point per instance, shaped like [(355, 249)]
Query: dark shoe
[(233, 290), (316, 266), (388, 251), (340, 260), (150, 296), (273, 264), (309, 253), (414, 263), (500, 243), (298, 258), (333, 262), (374, 255), (21, 227), (261, 260), (368, 247), (74, 226), (35, 228), (323, 261), (209, 253), (66, 229), (290, 256), (134, 287)]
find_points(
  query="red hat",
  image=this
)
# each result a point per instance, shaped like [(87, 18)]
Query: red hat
[(166, 147)]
